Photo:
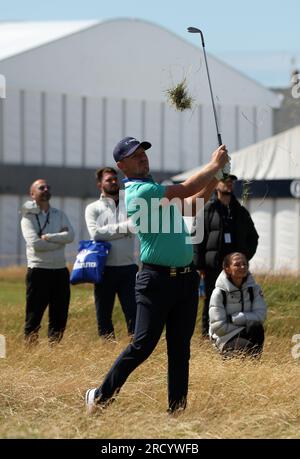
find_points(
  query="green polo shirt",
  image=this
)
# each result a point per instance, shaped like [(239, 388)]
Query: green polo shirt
[(161, 229)]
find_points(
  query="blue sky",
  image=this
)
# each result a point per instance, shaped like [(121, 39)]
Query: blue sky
[(259, 37)]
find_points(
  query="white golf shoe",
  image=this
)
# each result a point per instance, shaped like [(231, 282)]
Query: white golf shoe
[(91, 406)]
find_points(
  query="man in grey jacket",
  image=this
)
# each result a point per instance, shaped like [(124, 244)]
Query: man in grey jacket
[(106, 220), (46, 231)]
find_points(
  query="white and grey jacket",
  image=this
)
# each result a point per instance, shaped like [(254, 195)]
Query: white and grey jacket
[(105, 222), (40, 253), (226, 322)]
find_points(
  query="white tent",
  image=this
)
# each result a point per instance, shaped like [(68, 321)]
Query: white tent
[(273, 169), (277, 218), (277, 157)]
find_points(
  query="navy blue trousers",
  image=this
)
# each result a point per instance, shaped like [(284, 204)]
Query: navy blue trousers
[(162, 301), (118, 280)]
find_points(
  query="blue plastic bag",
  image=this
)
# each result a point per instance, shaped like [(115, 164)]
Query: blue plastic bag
[(90, 262)]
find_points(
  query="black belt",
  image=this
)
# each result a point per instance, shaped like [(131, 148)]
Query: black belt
[(172, 271)]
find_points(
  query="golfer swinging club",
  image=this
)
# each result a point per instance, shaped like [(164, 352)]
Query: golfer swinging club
[(167, 285)]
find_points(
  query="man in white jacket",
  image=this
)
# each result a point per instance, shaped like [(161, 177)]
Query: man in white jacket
[(106, 220), (46, 231)]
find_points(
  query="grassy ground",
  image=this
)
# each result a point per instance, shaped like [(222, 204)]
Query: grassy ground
[(42, 390)]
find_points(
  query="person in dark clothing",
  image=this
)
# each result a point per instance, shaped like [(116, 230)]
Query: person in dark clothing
[(228, 228)]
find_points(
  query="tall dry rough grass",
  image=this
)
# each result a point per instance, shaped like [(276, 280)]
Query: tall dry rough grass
[(42, 389)]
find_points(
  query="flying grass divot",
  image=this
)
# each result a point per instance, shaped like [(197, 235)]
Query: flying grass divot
[(179, 98)]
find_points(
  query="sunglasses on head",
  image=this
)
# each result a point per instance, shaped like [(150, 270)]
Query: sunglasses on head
[(44, 187)]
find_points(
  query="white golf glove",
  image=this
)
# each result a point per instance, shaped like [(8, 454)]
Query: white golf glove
[(223, 173), (238, 318)]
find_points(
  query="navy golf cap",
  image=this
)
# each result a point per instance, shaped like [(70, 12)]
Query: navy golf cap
[(230, 177), (127, 147)]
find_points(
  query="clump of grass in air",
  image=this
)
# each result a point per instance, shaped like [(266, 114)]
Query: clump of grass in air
[(246, 191), (178, 96)]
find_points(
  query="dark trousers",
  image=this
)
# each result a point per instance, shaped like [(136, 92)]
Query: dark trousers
[(249, 341), (210, 281), (116, 280), (161, 301), (47, 287)]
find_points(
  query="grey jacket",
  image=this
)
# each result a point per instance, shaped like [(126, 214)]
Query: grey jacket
[(225, 323), (48, 254), (105, 223)]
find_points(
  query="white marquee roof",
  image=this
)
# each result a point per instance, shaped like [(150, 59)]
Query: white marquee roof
[(42, 44), (275, 158)]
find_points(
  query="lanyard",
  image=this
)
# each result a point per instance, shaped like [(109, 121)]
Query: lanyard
[(41, 228)]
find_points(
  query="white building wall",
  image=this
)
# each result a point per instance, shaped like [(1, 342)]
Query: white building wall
[(54, 134), (277, 222), (10, 240), (71, 100), (73, 132), (129, 58), (286, 236), (114, 127), (12, 127), (94, 132), (262, 214), (135, 118), (65, 130), (191, 148), (154, 131), (31, 127), (229, 126)]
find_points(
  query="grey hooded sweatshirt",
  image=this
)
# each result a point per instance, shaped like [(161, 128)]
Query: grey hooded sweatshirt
[(40, 253), (222, 320)]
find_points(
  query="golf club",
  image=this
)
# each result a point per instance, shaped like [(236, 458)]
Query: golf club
[(195, 30)]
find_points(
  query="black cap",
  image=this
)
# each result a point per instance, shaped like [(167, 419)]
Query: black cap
[(127, 147), (230, 176)]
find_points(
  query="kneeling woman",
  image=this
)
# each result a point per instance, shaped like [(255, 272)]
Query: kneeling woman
[(237, 309)]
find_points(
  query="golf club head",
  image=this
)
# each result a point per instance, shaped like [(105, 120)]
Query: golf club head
[(196, 30), (193, 30)]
